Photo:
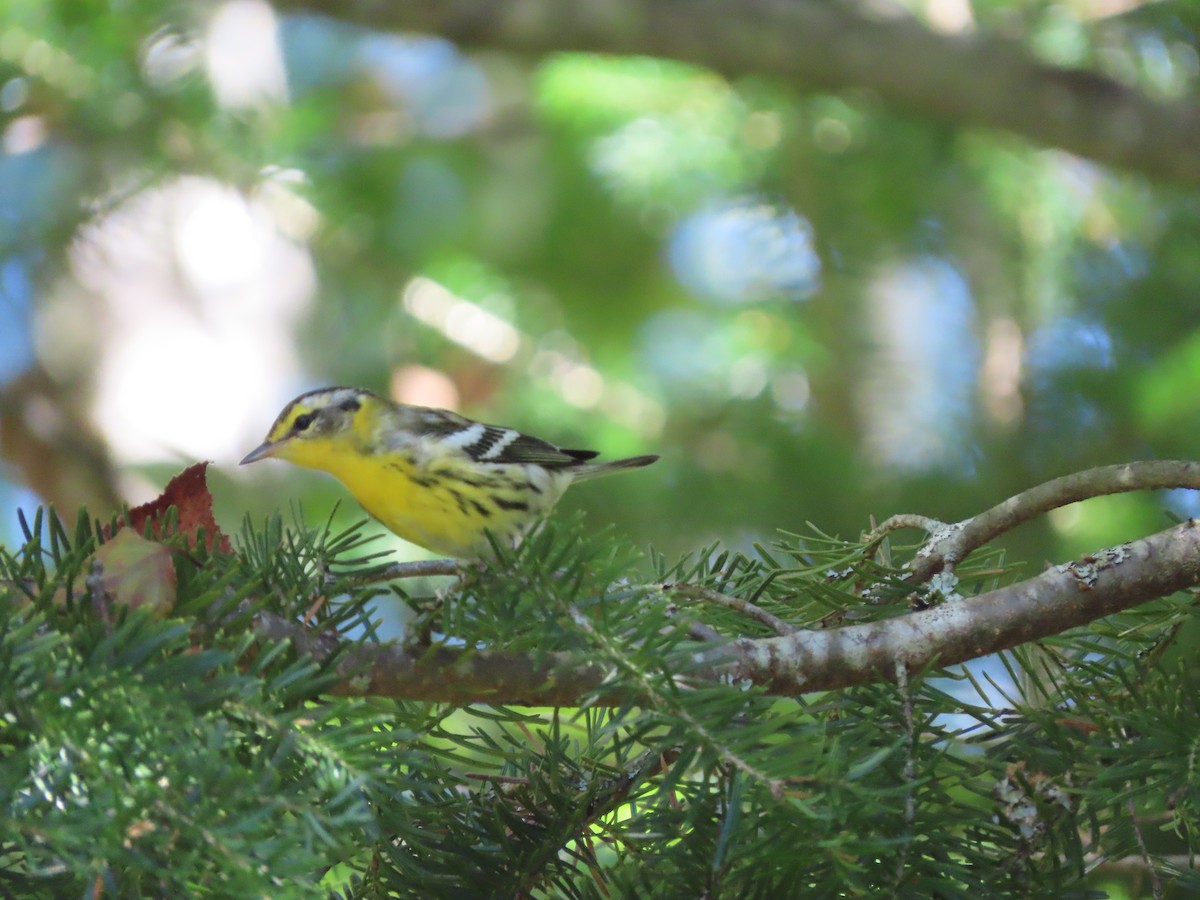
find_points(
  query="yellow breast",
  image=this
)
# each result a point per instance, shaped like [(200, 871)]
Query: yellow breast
[(439, 505), (424, 515)]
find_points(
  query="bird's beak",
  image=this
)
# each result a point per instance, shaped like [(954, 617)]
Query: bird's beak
[(262, 451)]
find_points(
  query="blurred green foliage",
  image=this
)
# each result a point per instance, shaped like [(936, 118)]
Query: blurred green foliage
[(717, 251)]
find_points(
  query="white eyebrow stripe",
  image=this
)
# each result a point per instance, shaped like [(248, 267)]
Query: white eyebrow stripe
[(468, 436), (501, 445), (338, 397)]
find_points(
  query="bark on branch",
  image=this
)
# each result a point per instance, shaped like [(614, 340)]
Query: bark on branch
[(1060, 598), (949, 544), (960, 80)]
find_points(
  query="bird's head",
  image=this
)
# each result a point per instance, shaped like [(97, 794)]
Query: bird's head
[(318, 426)]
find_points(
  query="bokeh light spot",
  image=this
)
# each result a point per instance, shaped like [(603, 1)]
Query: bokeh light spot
[(422, 386), (467, 324), (917, 397), (745, 251)]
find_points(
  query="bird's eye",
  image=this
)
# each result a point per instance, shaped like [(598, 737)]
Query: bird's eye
[(302, 422)]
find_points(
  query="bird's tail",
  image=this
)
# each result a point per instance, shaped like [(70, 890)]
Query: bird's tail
[(592, 470)]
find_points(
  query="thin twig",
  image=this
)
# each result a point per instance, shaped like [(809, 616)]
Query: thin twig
[(1156, 887), (496, 779), (420, 568), (312, 611), (737, 604), (612, 792), (951, 543), (903, 520), (538, 746), (910, 772), (1138, 865), (698, 631)]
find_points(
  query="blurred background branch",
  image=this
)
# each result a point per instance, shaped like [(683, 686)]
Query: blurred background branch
[(942, 70), (48, 442)]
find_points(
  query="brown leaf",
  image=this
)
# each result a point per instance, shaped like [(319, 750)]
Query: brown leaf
[(135, 572), (188, 493)]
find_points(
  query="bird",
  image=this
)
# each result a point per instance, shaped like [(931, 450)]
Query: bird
[(437, 479)]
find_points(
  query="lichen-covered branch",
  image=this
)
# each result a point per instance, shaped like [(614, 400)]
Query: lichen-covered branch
[(1060, 598), (951, 543), (959, 79)]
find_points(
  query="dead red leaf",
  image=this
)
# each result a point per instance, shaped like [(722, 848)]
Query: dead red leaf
[(135, 572), (188, 493)]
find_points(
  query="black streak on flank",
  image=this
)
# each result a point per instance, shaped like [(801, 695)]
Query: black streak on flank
[(511, 504), (424, 481), (460, 500), (481, 509)]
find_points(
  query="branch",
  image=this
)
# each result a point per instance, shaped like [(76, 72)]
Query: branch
[(420, 568), (950, 544), (1060, 598), (46, 440), (441, 674), (737, 604), (962, 80), (1137, 866)]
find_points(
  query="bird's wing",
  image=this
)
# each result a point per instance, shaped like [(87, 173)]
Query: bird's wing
[(495, 444)]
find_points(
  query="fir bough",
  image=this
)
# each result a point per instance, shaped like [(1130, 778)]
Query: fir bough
[(185, 754)]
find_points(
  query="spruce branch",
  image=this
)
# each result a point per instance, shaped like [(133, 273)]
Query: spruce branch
[(234, 695), (1058, 599), (651, 693)]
